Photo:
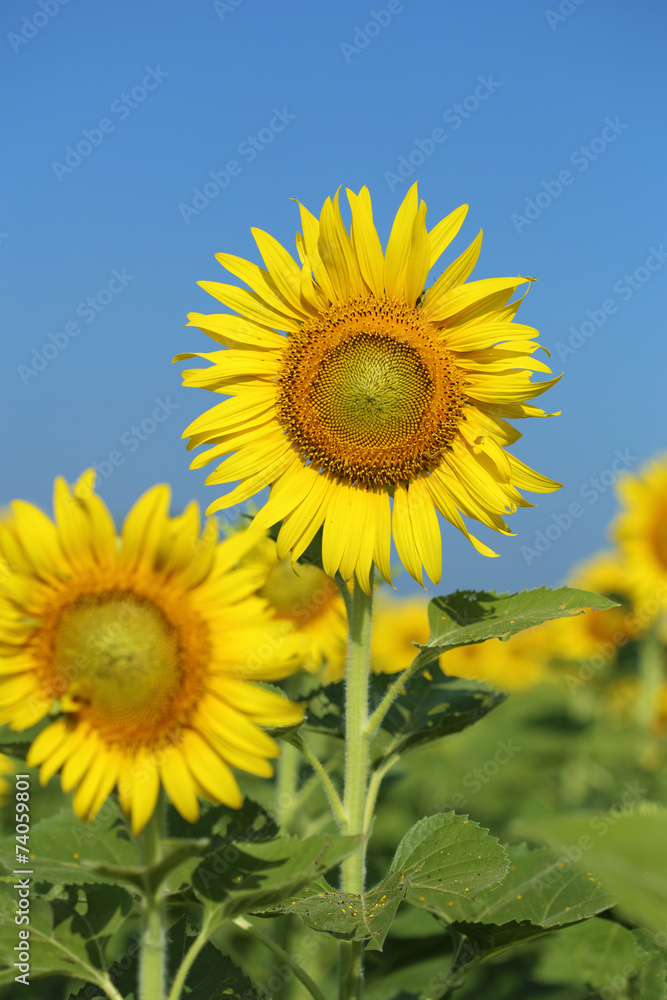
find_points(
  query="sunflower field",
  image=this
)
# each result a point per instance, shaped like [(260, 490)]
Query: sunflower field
[(236, 763)]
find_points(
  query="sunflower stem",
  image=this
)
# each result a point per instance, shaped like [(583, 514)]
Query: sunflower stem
[(356, 777), (299, 743), (153, 934), (286, 784)]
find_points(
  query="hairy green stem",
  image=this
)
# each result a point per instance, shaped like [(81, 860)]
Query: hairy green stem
[(327, 784), (356, 776), (300, 974), (376, 780), (152, 965), (286, 784)]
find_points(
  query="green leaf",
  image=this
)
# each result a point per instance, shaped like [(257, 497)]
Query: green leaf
[(348, 916), (253, 876), (17, 743), (216, 826), (651, 983), (429, 710), (448, 855), (66, 936), (469, 616), (64, 849), (597, 953), (625, 850), (541, 888), (221, 824), (214, 976)]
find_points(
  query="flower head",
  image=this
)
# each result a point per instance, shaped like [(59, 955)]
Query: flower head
[(147, 643), (305, 598), (641, 532), (365, 402)]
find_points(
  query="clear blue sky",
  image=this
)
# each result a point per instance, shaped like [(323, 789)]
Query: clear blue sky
[(172, 91)]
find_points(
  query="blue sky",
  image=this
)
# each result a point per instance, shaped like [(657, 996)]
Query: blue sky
[(548, 119)]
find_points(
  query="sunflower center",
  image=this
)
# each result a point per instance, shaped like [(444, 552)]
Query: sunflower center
[(371, 388), (369, 393), (298, 597), (117, 657)]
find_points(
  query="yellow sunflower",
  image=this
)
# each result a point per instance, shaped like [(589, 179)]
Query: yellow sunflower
[(305, 598), (641, 532), (147, 643), (599, 632), (397, 626), (365, 402), (519, 663)]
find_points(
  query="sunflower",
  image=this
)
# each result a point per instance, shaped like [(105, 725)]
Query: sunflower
[(641, 532), (519, 663), (397, 626), (308, 600), (365, 402), (147, 644), (599, 632)]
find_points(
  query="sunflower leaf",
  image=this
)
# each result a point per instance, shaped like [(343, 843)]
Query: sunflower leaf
[(541, 891), (215, 975), (349, 916), (66, 937), (246, 876), (429, 710), (446, 854), (469, 616), (595, 954), (624, 849), (63, 849)]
